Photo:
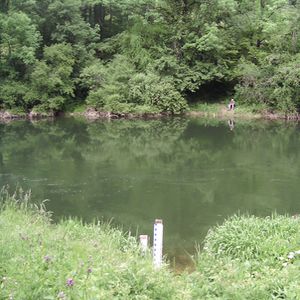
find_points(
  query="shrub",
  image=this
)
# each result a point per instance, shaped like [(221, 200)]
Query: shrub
[(151, 90), (51, 82), (276, 85), (117, 87)]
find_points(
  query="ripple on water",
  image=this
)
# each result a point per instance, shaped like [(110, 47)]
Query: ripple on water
[(35, 179)]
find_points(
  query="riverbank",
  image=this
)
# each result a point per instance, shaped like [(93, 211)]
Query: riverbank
[(245, 258), (213, 110), (6, 115), (220, 110), (200, 110)]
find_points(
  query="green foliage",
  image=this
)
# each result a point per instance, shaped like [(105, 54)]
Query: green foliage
[(268, 73), (277, 85), (253, 238), (152, 90), (245, 258), (56, 68), (117, 87), (19, 38), (108, 84), (252, 45), (71, 260), (250, 258), (12, 94)]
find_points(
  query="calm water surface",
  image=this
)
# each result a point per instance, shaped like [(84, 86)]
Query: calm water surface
[(189, 172)]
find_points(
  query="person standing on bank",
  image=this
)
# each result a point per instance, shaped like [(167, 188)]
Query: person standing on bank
[(231, 104)]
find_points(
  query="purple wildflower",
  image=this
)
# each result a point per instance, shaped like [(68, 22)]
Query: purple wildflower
[(47, 258), (70, 282), (89, 270)]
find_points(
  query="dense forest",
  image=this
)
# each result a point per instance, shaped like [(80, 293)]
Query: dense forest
[(148, 55)]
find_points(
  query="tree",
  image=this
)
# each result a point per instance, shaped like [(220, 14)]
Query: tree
[(51, 81), (177, 48), (19, 40)]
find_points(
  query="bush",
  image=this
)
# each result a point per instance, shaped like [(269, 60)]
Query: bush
[(51, 82), (117, 87), (12, 94), (276, 85), (248, 238), (151, 90), (250, 258)]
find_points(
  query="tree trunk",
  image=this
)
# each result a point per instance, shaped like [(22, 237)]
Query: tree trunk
[(4, 5), (99, 14), (294, 40), (185, 7)]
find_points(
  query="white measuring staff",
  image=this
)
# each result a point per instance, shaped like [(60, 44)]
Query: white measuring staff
[(158, 243), (144, 243)]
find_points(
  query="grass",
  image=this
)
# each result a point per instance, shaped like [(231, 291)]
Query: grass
[(244, 258), (206, 107), (252, 258), (220, 110), (200, 109), (72, 260), (76, 108)]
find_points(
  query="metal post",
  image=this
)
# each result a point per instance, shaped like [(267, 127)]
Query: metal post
[(158, 243)]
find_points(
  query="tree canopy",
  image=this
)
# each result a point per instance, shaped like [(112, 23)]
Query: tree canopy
[(148, 56)]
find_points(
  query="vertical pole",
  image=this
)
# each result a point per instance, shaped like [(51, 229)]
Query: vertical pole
[(144, 243), (157, 243)]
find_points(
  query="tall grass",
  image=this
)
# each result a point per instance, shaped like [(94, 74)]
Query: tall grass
[(221, 110), (244, 258), (251, 258), (72, 260)]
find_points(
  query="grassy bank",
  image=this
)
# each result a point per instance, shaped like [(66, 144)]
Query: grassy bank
[(200, 110), (220, 110), (245, 258), (206, 110), (71, 260)]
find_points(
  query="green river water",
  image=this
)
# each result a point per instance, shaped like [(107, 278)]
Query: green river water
[(192, 173)]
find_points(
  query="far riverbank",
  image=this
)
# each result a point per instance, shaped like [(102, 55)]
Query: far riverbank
[(207, 110)]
